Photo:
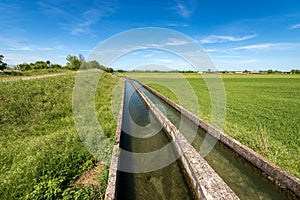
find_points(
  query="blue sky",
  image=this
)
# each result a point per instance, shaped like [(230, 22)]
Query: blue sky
[(236, 34)]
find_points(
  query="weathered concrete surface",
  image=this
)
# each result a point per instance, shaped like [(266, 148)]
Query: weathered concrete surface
[(205, 181), (110, 192), (275, 173)]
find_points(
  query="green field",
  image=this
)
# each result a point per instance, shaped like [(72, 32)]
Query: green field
[(41, 155), (262, 111)]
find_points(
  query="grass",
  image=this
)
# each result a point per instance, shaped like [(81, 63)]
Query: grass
[(41, 154), (262, 111)]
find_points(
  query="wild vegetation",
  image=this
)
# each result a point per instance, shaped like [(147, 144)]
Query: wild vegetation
[(74, 63), (261, 111), (41, 155)]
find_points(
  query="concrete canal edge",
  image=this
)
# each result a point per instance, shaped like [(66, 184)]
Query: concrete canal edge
[(110, 192), (205, 182), (275, 173)]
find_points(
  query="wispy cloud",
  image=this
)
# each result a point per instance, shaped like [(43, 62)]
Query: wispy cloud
[(15, 58), (8, 44), (224, 38), (269, 46), (53, 10), (176, 42), (295, 26), (13, 44), (255, 46), (185, 8), (83, 19), (176, 25), (148, 55)]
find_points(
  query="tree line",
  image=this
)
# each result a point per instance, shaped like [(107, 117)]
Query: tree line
[(73, 63), (293, 71), (78, 62)]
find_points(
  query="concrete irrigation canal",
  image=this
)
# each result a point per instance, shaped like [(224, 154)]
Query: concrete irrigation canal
[(229, 171)]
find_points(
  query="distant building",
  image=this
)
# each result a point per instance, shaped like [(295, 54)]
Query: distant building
[(254, 72), (263, 72), (238, 72)]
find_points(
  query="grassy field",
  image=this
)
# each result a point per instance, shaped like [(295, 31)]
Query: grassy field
[(262, 111), (41, 155)]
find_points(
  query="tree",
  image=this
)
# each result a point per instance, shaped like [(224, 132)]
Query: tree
[(295, 71), (56, 66), (39, 65), (3, 65), (109, 70), (73, 62), (24, 66), (48, 63)]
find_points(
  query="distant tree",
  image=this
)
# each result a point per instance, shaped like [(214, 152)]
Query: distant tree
[(109, 70), (73, 62), (295, 71), (3, 65), (48, 63), (39, 65), (121, 70), (270, 71), (56, 66), (24, 66), (96, 65)]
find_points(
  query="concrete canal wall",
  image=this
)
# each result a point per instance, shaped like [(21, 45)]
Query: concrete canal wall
[(205, 182), (112, 177), (275, 173)]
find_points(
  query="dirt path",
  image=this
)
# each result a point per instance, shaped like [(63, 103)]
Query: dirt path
[(31, 77)]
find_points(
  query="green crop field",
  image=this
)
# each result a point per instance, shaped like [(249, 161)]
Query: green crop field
[(262, 111), (41, 155)]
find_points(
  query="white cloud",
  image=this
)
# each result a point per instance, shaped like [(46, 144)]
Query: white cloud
[(295, 26), (185, 8), (177, 25), (13, 44), (148, 55), (255, 47), (15, 58), (210, 50), (269, 46), (22, 48), (221, 38), (53, 10), (176, 42), (8, 44)]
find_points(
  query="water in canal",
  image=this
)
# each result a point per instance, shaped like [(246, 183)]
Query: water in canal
[(242, 177), (141, 133)]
